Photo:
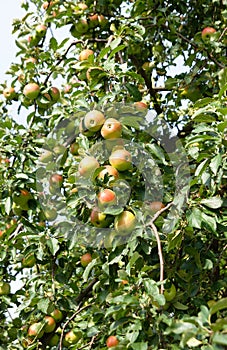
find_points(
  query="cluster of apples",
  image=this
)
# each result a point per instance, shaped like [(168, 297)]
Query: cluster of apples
[(120, 160), (50, 328), (86, 21)]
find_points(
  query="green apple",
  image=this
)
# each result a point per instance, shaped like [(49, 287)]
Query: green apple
[(4, 288), (94, 120), (35, 330), (50, 214), (87, 166), (121, 159), (125, 222), (54, 340), (99, 219), (54, 93), (82, 26), (40, 30), (9, 93), (72, 337), (50, 324), (31, 91), (111, 129), (57, 315)]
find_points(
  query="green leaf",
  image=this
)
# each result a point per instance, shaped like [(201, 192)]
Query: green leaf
[(134, 92), (209, 222), (219, 338), (8, 205), (53, 245), (215, 163), (43, 305), (180, 306), (219, 305), (139, 346), (213, 202), (115, 43), (195, 218), (119, 48)]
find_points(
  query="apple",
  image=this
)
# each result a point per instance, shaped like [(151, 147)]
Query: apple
[(50, 214), (50, 324), (111, 129), (22, 199), (99, 219), (57, 315), (94, 120), (82, 26), (84, 130), (54, 93), (170, 293), (112, 341), (46, 157), (141, 106), (31, 91), (102, 21), (85, 259), (2, 234), (31, 60), (72, 337), (110, 172), (207, 33), (54, 340), (74, 147), (4, 288), (29, 260), (47, 5), (87, 166), (35, 330), (56, 180), (84, 54), (155, 206), (93, 20), (67, 88), (106, 197), (125, 222), (121, 159), (9, 93), (41, 30), (44, 100)]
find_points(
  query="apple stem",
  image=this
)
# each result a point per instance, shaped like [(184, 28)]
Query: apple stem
[(154, 229)]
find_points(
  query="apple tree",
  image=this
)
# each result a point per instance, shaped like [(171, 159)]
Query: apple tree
[(113, 177)]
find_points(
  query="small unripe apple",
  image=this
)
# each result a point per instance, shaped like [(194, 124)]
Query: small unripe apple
[(99, 219), (82, 26), (2, 234), (72, 337), (50, 324), (106, 197), (54, 340), (46, 156), (9, 93), (125, 222), (35, 330), (57, 315), (85, 259), (50, 214), (85, 54), (56, 180), (85, 130), (93, 20), (4, 288), (121, 159), (111, 129), (41, 30), (31, 91), (112, 341), (54, 93), (94, 120), (74, 147), (207, 33), (87, 166)]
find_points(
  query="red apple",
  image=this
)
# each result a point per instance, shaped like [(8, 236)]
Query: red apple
[(54, 93), (31, 91), (112, 341), (85, 54), (56, 180), (93, 20), (207, 33), (72, 337), (94, 120), (50, 324), (106, 197), (41, 30), (111, 129), (85, 259), (125, 222), (141, 106), (87, 166), (121, 159)]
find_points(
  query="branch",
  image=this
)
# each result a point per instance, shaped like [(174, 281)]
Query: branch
[(154, 229)]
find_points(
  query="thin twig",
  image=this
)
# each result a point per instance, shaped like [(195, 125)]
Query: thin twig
[(154, 229), (15, 233)]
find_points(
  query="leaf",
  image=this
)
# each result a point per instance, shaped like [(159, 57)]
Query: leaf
[(209, 222), (180, 306), (119, 48), (8, 205), (53, 245), (43, 305), (219, 338), (193, 342), (115, 43), (213, 202), (139, 346), (219, 305), (89, 267), (215, 163), (134, 92), (195, 218)]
